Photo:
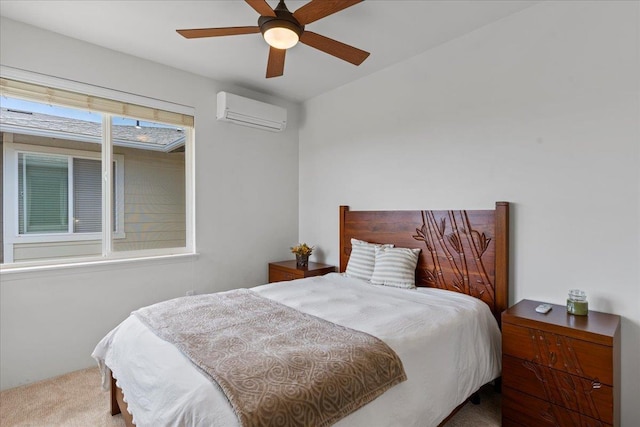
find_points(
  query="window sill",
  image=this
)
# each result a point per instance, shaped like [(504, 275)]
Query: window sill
[(8, 272)]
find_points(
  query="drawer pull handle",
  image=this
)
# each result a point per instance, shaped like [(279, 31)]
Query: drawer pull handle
[(596, 384), (553, 358)]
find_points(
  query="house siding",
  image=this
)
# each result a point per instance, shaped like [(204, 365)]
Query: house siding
[(154, 213)]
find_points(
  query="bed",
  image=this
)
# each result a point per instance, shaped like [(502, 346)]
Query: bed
[(445, 331)]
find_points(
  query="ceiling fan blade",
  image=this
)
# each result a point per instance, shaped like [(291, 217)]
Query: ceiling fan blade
[(333, 47), (217, 32), (317, 9), (262, 7), (275, 65)]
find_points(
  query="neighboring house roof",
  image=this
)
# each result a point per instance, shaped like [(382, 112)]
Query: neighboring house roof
[(148, 137)]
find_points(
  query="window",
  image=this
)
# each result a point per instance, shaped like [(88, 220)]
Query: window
[(62, 193), (60, 204)]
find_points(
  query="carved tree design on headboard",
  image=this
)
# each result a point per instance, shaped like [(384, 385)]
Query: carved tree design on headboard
[(453, 239), (467, 251)]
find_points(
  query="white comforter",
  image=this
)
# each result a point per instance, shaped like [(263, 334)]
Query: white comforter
[(449, 344)]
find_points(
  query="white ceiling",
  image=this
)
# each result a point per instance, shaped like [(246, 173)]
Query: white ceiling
[(392, 30)]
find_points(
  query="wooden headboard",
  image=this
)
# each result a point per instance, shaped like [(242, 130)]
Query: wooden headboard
[(462, 251)]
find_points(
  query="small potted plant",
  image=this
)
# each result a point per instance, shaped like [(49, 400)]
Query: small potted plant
[(302, 251)]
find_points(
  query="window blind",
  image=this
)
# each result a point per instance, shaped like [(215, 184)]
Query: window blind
[(87, 196), (44, 194), (48, 95)]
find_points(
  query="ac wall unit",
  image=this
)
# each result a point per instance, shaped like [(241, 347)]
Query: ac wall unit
[(249, 112)]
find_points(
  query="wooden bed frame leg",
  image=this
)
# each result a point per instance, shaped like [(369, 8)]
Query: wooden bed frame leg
[(115, 408), (475, 398), (118, 405), (497, 385)]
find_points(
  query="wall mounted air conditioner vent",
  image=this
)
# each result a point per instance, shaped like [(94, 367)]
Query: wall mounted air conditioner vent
[(248, 112)]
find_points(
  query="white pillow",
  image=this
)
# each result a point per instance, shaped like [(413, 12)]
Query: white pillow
[(395, 267), (362, 259)]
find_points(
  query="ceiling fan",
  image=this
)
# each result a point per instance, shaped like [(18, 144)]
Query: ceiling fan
[(282, 30)]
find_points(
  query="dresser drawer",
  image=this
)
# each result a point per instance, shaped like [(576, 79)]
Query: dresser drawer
[(590, 398), (520, 409), (582, 358)]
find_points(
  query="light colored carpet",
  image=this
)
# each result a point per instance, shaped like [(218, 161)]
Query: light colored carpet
[(76, 399)]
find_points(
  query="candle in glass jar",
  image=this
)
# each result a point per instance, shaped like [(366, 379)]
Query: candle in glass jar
[(577, 303)]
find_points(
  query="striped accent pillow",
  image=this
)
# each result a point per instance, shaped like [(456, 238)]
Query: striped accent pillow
[(395, 267), (362, 259)]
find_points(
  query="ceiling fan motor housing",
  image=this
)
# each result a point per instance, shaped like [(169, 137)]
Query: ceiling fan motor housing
[(283, 19)]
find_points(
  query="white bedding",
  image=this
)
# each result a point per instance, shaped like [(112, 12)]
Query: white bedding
[(449, 344)]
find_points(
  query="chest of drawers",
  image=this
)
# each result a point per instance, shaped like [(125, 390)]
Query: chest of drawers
[(559, 369)]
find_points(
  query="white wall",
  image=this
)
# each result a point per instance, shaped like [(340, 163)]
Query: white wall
[(246, 213), (541, 109)]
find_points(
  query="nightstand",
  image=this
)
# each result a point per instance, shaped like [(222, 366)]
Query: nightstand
[(288, 270), (560, 369)]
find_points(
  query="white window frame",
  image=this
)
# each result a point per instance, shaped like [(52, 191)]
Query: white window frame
[(11, 199), (108, 255)]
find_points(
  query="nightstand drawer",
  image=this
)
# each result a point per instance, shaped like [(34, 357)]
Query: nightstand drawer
[(520, 409), (582, 358), (276, 275), (568, 391)]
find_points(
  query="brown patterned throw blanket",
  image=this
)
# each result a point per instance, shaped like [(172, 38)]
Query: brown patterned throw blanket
[(276, 365)]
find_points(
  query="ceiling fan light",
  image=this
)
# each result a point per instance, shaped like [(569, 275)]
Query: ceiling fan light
[(281, 37)]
